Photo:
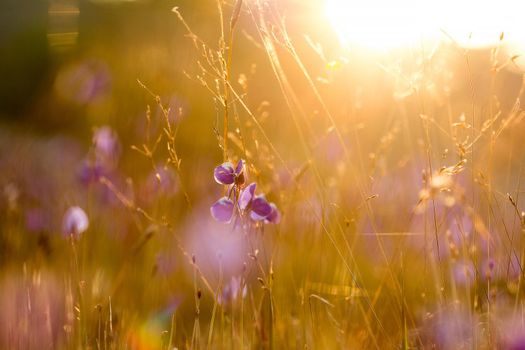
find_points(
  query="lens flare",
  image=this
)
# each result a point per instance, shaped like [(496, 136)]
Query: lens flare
[(385, 24), (376, 24)]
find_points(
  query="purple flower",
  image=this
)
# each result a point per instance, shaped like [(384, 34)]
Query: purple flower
[(105, 140), (222, 210), (75, 222), (257, 206), (106, 146), (103, 158), (245, 201), (275, 215), (260, 208), (225, 174), (246, 196), (90, 172)]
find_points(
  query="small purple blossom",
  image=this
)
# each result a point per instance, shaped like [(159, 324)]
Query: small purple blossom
[(246, 196), (225, 174), (257, 206), (260, 208), (275, 215), (103, 157), (244, 201), (75, 222), (90, 172), (106, 146), (222, 210)]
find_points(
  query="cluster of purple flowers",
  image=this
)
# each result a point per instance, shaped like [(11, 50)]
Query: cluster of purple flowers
[(241, 200)]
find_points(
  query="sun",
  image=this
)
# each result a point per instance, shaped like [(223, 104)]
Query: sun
[(389, 24), (376, 24)]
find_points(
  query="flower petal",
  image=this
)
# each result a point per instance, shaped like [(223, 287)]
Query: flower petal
[(75, 222), (224, 174), (240, 167), (260, 208), (256, 217), (222, 210), (275, 215), (246, 196), (106, 143), (239, 173)]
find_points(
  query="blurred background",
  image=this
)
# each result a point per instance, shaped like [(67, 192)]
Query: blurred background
[(67, 62)]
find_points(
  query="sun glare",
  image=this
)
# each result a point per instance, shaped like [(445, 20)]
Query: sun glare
[(388, 24)]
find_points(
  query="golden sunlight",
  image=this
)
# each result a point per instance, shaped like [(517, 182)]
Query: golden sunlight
[(388, 24)]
